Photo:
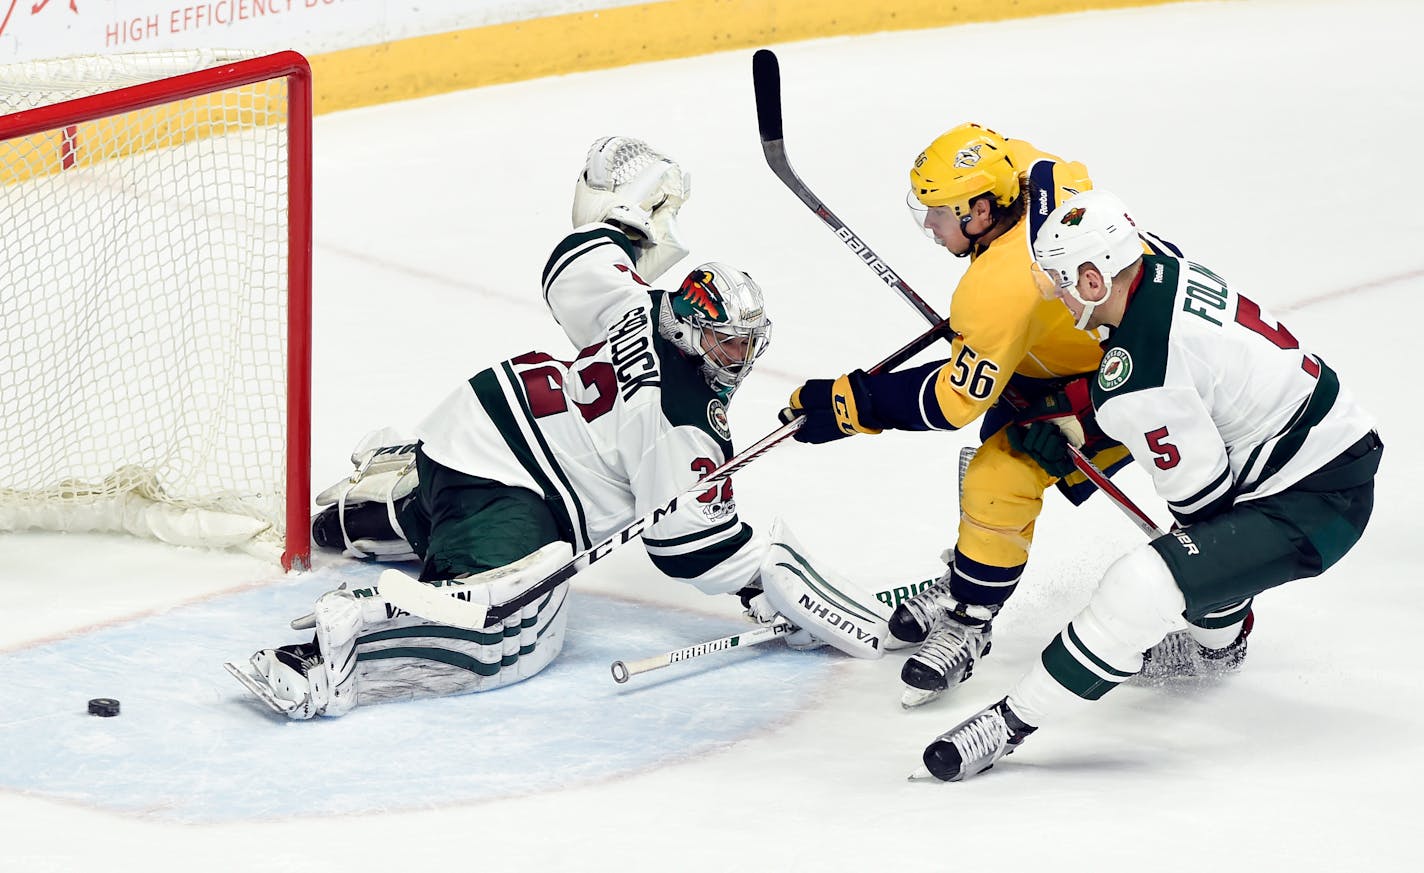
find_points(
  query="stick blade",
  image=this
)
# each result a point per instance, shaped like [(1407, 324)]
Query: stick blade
[(766, 79), (437, 604)]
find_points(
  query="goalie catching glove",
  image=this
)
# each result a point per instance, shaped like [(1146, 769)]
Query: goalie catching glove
[(826, 608), (627, 184)]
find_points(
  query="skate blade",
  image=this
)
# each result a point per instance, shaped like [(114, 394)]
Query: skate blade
[(922, 774), (254, 683), (913, 697), (306, 622)]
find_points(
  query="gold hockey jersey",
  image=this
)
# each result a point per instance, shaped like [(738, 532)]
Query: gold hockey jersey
[(1005, 323)]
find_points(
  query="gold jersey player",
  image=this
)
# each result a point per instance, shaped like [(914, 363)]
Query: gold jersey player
[(1018, 358)]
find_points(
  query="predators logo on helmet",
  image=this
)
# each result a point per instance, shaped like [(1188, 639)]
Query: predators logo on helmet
[(965, 163)]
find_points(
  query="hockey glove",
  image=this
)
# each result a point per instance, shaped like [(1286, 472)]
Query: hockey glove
[(1046, 443), (833, 409), (1067, 408), (759, 609), (628, 184)]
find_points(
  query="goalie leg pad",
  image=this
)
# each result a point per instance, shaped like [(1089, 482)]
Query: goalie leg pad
[(828, 606), (403, 656)]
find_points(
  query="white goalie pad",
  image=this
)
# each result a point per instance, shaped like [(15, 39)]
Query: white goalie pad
[(384, 473), (384, 462), (464, 602), (825, 604)]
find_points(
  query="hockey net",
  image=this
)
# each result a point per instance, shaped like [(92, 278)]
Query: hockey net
[(155, 300)]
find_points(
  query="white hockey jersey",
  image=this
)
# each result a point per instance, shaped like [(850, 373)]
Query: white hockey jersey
[(607, 437), (1214, 397)]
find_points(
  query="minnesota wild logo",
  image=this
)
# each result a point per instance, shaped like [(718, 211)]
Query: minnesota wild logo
[(1115, 369), (699, 294), (1073, 216)]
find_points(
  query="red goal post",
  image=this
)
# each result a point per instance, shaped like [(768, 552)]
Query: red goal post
[(155, 303)]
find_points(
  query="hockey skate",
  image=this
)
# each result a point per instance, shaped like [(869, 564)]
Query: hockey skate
[(278, 678), (913, 618), (946, 659), (974, 745), (298, 680), (1179, 656)]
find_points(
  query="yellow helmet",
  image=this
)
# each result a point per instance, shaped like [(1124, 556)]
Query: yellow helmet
[(962, 164)]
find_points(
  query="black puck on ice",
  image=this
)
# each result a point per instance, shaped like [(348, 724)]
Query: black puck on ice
[(106, 707)]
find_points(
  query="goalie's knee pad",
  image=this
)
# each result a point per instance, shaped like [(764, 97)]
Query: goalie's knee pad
[(360, 513)]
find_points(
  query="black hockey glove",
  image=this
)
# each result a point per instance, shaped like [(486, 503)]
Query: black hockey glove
[(1045, 443), (833, 409)]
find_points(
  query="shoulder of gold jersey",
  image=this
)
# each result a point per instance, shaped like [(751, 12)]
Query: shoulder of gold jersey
[(1071, 177), (1023, 153)]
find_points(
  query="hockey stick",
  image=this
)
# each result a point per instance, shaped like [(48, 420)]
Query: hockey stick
[(766, 81), (624, 670), (448, 602)]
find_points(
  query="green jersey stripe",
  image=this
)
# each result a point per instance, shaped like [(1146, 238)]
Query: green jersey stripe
[(585, 242), (683, 540), (568, 495), (1284, 445), (491, 397), (690, 565)]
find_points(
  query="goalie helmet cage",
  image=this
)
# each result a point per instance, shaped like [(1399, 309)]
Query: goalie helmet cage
[(155, 305)]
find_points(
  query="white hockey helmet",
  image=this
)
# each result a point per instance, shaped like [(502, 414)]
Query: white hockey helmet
[(1093, 227), (718, 315)]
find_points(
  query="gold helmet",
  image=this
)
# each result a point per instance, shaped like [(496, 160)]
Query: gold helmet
[(962, 164)]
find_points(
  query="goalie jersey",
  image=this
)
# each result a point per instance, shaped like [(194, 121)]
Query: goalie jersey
[(607, 437), (1213, 396)]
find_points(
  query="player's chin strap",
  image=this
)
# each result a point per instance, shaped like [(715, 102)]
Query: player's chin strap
[(766, 77)]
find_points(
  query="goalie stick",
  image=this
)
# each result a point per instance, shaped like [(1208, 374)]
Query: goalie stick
[(766, 81), (624, 670), (449, 603)]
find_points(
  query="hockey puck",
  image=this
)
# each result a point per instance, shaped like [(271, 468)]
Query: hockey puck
[(105, 707)]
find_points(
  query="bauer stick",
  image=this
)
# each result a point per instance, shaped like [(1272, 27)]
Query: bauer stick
[(766, 80), (623, 670), (446, 602)]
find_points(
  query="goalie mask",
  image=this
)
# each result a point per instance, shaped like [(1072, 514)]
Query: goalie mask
[(1095, 228), (717, 315)]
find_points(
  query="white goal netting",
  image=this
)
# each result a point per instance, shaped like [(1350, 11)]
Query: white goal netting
[(144, 309)]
